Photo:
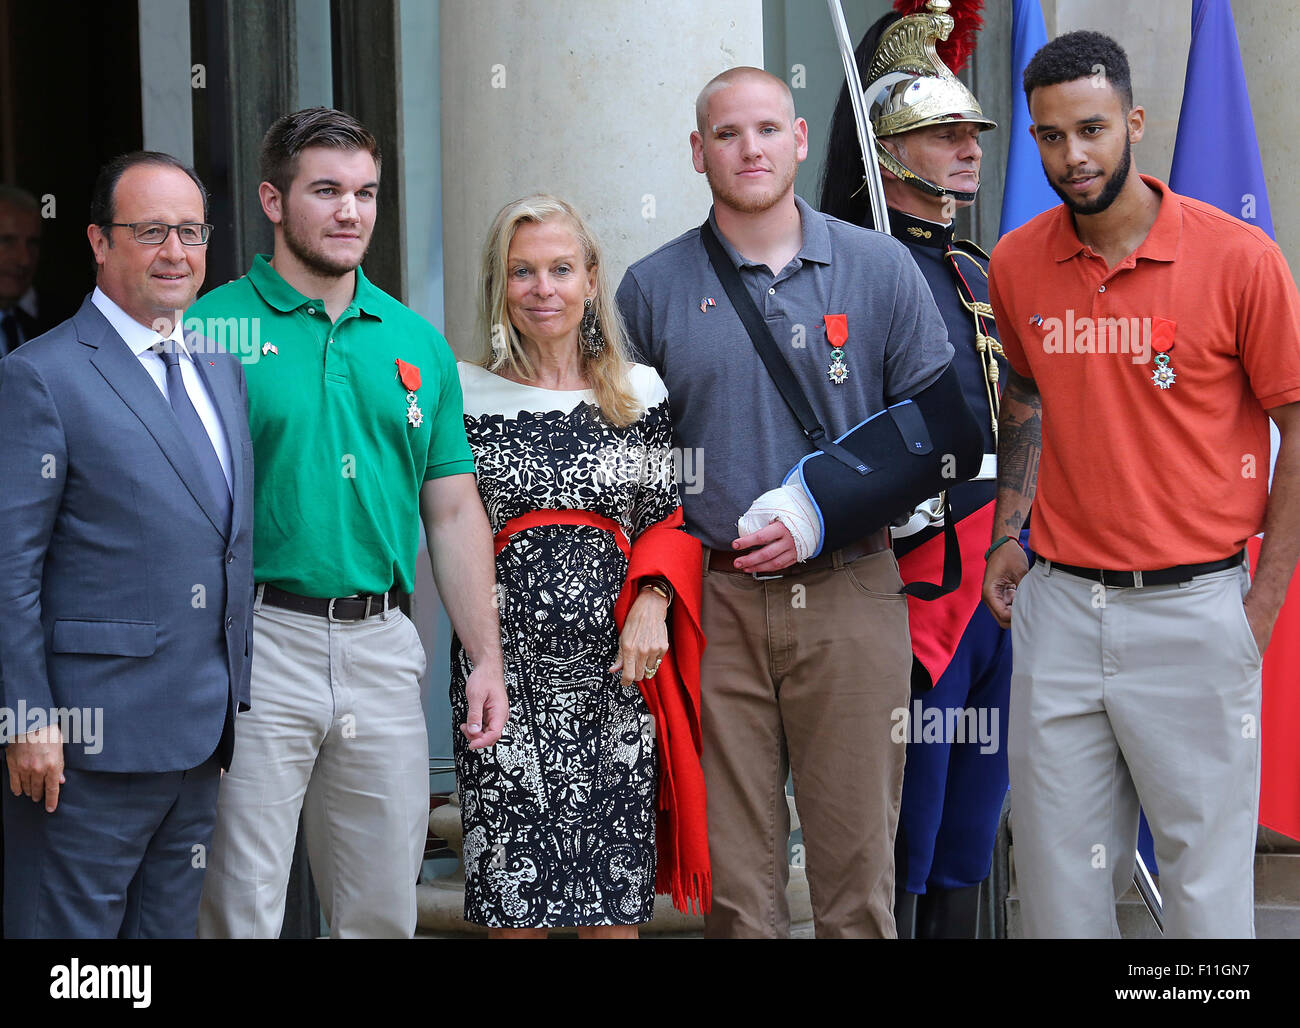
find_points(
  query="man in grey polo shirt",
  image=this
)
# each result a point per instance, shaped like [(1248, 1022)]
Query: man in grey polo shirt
[(806, 663)]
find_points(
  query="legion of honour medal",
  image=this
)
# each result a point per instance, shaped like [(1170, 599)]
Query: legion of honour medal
[(837, 334), (410, 378), (1162, 341)]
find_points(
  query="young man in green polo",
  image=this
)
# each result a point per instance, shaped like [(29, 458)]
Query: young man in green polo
[(357, 429)]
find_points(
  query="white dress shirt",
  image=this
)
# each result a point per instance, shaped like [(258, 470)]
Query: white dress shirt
[(140, 341)]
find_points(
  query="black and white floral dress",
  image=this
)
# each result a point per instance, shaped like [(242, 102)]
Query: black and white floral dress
[(559, 815)]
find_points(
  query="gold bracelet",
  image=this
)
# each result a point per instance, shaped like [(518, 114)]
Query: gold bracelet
[(659, 586)]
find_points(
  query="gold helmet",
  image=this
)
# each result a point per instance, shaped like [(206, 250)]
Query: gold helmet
[(909, 87)]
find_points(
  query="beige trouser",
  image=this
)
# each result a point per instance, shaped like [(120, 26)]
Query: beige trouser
[(804, 672), (335, 731), (1121, 696)]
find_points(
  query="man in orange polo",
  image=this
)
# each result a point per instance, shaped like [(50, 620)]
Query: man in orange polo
[(1150, 344)]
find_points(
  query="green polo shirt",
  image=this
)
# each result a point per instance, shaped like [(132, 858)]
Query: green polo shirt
[(338, 462)]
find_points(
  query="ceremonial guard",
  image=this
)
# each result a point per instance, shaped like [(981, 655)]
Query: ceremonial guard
[(927, 126)]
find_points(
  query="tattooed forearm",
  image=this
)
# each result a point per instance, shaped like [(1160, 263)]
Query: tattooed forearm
[(1019, 453), (1020, 445)]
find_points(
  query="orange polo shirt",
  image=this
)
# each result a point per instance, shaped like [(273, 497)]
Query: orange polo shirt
[(1135, 476)]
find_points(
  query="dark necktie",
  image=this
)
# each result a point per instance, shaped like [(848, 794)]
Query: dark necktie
[(8, 332), (195, 434)]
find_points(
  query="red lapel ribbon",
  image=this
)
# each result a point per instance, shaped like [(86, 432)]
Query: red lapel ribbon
[(409, 374), (1162, 334), (837, 329)]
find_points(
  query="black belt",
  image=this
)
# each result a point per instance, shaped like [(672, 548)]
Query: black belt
[(722, 560), (342, 608), (1139, 579)]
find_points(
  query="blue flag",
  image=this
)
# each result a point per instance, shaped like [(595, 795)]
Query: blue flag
[(1216, 156), (1025, 194)]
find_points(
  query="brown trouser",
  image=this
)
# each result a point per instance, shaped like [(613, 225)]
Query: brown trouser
[(804, 672)]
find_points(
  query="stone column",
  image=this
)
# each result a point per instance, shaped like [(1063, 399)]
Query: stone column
[(589, 100), (1268, 35)]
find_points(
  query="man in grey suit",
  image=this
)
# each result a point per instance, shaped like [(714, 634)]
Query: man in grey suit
[(125, 579)]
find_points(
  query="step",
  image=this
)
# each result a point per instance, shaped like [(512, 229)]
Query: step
[(440, 905), (440, 902), (1277, 901)]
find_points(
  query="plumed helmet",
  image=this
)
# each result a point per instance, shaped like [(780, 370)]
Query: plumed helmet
[(908, 86)]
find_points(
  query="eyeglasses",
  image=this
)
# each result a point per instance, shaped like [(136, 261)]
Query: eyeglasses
[(154, 233)]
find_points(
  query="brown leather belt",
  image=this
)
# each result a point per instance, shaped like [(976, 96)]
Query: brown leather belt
[(722, 560)]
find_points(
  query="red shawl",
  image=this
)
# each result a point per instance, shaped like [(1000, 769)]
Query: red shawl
[(672, 695)]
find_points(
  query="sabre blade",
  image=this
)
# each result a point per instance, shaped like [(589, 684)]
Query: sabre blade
[(1146, 888), (866, 136)]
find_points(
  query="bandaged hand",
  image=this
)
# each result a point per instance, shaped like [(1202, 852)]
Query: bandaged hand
[(790, 505)]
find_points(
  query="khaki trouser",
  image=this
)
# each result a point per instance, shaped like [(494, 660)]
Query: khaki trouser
[(1121, 696), (335, 731), (804, 672)]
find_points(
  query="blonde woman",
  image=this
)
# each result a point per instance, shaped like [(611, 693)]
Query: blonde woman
[(598, 593)]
